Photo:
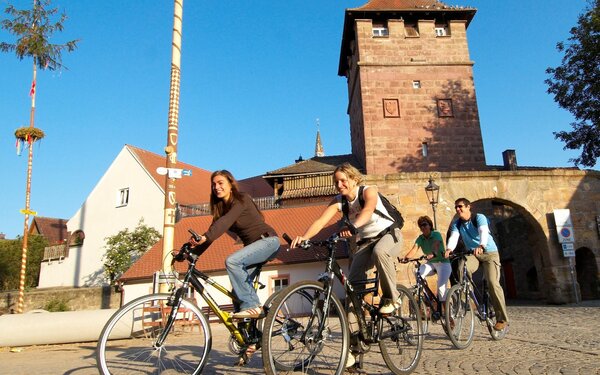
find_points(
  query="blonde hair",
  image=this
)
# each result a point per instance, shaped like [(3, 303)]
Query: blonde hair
[(350, 171)]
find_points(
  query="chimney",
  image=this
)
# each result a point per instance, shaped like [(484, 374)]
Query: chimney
[(510, 160)]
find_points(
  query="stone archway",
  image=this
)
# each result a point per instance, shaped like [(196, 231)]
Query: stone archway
[(587, 274), (522, 242)]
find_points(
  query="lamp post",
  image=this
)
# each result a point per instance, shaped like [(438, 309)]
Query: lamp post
[(433, 193)]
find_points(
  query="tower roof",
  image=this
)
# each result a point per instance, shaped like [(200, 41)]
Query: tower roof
[(319, 151), (398, 9)]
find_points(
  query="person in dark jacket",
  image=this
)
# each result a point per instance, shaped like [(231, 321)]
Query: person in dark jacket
[(236, 212)]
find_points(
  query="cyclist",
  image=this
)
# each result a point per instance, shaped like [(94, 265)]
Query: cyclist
[(432, 244), (377, 243), (237, 212), (475, 233)]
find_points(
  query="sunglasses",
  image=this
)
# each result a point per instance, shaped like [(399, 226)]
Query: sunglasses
[(423, 225), (459, 206)]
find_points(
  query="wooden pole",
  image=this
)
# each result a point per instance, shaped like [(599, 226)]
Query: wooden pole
[(172, 135), (30, 141)]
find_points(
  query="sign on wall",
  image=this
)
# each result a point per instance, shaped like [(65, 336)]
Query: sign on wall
[(564, 229)]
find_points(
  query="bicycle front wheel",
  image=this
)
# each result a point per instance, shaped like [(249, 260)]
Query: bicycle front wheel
[(128, 343), (292, 340), (460, 319), (400, 335)]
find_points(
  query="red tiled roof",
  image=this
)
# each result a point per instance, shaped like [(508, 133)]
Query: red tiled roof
[(54, 230), (317, 164), (256, 186), (190, 189), (293, 221)]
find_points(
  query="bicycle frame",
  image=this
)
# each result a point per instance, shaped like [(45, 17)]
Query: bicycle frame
[(469, 286), (424, 292), (193, 277), (333, 269)]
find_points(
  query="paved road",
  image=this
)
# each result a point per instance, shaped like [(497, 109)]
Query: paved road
[(542, 340)]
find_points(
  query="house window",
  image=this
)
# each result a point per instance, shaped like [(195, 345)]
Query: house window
[(441, 31), (123, 197), (416, 84), (279, 282)]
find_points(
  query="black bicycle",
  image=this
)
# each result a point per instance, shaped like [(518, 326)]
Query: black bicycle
[(430, 306), (464, 302), (168, 333), (307, 329)]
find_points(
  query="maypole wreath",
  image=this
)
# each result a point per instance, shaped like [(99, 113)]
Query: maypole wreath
[(27, 134)]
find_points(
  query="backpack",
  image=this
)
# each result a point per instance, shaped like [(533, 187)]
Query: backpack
[(394, 214), (473, 221)]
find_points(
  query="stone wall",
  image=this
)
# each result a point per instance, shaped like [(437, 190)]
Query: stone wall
[(536, 258), (76, 298)]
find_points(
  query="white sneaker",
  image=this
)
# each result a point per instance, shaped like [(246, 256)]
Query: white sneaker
[(351, 360), (389, 308)]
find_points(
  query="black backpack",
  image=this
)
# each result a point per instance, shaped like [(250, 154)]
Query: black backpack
[(394, 214)]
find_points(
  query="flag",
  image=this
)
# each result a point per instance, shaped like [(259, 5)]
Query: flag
[(32, 91)]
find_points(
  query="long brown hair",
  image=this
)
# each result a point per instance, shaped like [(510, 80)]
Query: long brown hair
[(219, 207), (350, 171)]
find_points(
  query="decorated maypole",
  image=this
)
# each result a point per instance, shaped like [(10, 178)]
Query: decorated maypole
[(172, 134), (33, 29)]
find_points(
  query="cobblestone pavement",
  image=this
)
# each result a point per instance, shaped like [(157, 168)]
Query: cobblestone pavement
[(541, 340)]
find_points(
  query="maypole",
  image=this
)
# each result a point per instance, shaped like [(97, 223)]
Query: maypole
[(27, 136), (172, 134), (33, 29)]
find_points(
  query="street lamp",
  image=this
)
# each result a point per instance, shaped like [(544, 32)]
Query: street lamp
[(433, 193)]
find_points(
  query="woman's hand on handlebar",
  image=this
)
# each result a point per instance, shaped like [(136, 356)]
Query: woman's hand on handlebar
[(297, 241), (346, 232)]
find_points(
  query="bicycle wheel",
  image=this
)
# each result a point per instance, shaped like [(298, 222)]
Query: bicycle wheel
[(127, 344), (400, 335), (291, 338), (491, 321), (425, 312), (460, 319)]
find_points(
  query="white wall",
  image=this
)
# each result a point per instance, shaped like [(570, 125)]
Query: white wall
[(99, 217)]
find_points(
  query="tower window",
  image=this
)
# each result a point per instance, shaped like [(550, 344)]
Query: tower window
[(441, 30), (425, 149), (411, 30), (380, 29), (416, 84)]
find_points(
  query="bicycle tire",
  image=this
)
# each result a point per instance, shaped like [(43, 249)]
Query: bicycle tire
[(127, 342), (460, 319), (401, 339), (425, 312), (491, 322), (297, 311)]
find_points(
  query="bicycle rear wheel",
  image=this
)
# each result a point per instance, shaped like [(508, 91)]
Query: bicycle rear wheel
[(291, 340), (460, 319), (128, 342), (400, 335)]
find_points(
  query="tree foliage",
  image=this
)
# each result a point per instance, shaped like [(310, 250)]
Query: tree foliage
[(33, 29), (576, 85), (10, 261), (125, 247)]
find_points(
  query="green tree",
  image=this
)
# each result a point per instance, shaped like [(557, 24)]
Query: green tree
[(125, 247), (576, 85), (10, 262)]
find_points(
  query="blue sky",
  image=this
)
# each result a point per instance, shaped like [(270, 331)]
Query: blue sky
[(255, 77)]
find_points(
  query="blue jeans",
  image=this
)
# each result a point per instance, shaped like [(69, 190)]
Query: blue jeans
[(241, 268)]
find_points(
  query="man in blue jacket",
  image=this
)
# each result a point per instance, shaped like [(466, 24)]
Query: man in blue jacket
[(475, 233)]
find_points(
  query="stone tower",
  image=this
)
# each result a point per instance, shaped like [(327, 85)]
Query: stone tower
[(411, 94)]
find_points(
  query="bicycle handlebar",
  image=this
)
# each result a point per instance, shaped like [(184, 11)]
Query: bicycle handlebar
[(458, 254), (307, 244), (185, 250), (406, 260)]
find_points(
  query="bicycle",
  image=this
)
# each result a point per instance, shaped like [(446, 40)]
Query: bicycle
[(429, 304), (167, 332), (463, 302), (307, 329)]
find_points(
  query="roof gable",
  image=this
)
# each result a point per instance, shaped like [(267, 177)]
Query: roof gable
[(54, 230), (190, 189), (317, 164)]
